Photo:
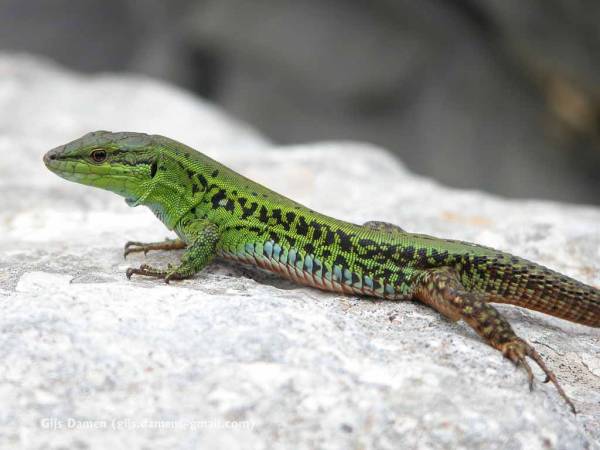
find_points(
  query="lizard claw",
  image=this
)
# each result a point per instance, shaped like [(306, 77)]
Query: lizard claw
[(134, 247), (517, 351), (146, 270)]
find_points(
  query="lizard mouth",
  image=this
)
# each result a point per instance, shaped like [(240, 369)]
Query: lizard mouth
[(66, 168), (53, 161), (51, 158)]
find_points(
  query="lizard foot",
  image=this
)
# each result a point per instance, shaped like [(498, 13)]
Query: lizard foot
[(517, 350), (145, 270), (172, 273), (168, 244), (441, 289)]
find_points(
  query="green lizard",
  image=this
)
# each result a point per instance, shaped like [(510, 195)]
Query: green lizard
[(217, 212)]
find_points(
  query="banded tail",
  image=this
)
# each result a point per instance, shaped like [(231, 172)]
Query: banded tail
[(529, 285)]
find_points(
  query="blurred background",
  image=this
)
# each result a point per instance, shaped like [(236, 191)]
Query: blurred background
[(500, 95)]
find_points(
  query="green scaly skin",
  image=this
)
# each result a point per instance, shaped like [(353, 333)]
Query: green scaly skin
[(217, 212)]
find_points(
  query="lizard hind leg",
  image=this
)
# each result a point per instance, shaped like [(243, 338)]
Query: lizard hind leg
[(441, 289)]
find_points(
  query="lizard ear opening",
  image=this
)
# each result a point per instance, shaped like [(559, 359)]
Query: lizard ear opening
[(153, 169)]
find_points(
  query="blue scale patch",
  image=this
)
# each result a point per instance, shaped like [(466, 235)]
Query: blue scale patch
[(308, 263), (389, 289), (337, 273), (318, 273), (291, 256), (347, 276), (249, 248), (276, 251), (284, 256), (368, 282), (268, 249)]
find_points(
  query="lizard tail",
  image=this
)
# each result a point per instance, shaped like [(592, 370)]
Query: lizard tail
[(532, 286)]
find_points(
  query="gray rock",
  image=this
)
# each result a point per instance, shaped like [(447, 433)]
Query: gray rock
[(562, 38), (235, 358), (482, 87)]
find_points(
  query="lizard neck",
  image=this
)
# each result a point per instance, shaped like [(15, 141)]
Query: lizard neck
[(176, 189)]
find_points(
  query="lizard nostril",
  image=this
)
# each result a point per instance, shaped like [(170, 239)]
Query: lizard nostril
[(50, 156)]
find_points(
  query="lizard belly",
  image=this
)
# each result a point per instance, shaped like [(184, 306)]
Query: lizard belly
[(310, 270)]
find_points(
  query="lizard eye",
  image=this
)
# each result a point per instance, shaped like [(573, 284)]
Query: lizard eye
[(98, 155)]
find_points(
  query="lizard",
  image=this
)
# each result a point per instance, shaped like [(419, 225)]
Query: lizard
[(216, 212)]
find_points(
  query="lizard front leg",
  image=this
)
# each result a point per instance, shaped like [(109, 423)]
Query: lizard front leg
[(442, 290), (201, 237), (167, 244)]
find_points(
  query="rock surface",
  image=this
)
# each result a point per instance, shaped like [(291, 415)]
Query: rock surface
[(239, 359)]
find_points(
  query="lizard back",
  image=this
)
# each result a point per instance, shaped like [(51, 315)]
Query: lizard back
[(266, 229)]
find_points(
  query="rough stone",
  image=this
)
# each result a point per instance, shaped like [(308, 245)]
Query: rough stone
[(235, 358)]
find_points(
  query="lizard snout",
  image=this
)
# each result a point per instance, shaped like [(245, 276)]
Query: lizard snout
[(52, 155)]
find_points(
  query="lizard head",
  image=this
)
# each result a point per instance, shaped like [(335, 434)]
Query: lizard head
[(124, 163)]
